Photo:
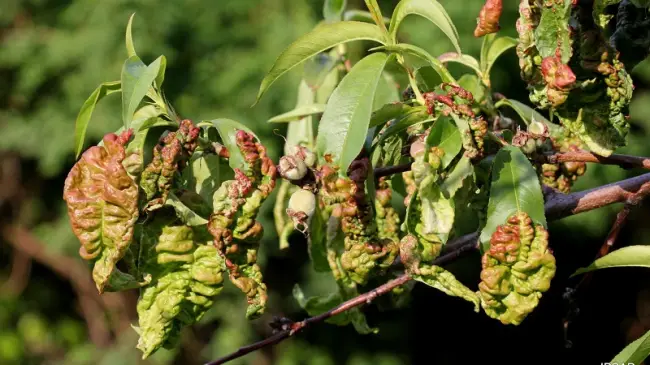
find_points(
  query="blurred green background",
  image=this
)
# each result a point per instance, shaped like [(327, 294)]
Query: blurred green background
[(53, 53)]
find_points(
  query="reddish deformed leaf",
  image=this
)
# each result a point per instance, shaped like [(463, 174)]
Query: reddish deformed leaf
[(488, 18), (235, 231), (174, 148), (102, 205), (556, 74)]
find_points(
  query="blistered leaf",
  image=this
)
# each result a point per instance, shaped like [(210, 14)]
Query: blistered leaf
[(638, 256), (488, 18), (517, 268), (436, 64), (514, 189), (298, 113), (491, 49), (146, 134), (445, 136), (437, 212), (236, 232), (187, 275), (102, 205), (552, 36), (333, 10), (602, 17), (635, 352), (343, 127), (432, 10), (414, 254), (86, 111), (321, 38)]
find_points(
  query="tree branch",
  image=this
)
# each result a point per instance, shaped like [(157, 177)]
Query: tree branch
[(390, 170), (623, 161), (557, 207)]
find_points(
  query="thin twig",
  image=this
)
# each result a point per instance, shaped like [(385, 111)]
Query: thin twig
[(624, 161), (390, 170), (557, 207)]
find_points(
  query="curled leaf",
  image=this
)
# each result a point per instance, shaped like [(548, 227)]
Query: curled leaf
[(488, 18), (186, 276), (517, 269), (235, 232), (102, 205)]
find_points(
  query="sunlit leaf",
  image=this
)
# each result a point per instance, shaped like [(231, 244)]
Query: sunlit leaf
[(515, 188), (405, 48), (492, 48), (462, 59), (623, 257), (343, 127), (130, 48), (298, 113), (86, 111), (635, 352), (333, 10), (445, 135), (321, 38), (429, 9), (136, 81), (227, 129)]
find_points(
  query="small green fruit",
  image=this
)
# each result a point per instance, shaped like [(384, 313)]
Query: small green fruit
[(292, 168)]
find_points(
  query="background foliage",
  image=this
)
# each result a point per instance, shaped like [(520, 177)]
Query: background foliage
[(53, 53)]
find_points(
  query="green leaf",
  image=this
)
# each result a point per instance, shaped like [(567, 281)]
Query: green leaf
[(317, 68), (375, 13), (184, 213), (136, 81), (333, 10), (361, 16), (205, 173), (86, 111), (515, 188), (321, 304), (473, 84), (491, 49), (160, 78), (387, 92), (456, 177), (437, 215), (526, 113), (227, 129), (624, 257), (429, 9), (130, 48), (404, 48), (298, 113), (301, 133), (344, 125), (323, 37), (417, 115), (601, 16), (388, 112), (635, 352), (318, 241), (463, 59), (445, 136), (553, 34)]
